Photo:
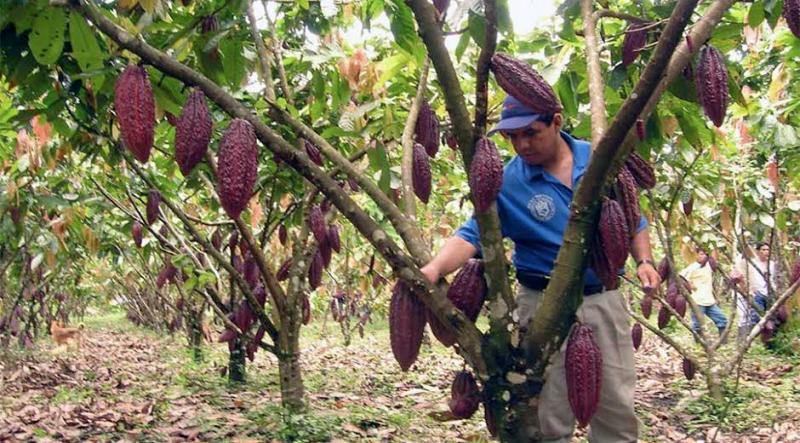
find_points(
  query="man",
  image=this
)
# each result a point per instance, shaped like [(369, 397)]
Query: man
[(755, 275), (700, 278), (533, 206)]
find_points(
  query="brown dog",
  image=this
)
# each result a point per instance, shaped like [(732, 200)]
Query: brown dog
[(63, 335)]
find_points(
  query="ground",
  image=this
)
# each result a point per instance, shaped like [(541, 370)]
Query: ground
[(129, 384)]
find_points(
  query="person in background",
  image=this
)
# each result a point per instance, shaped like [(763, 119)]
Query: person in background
[(755, 273), (699, 275)]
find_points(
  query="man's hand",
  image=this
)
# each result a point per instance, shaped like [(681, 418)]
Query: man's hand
[(648, 276), (431, 272)]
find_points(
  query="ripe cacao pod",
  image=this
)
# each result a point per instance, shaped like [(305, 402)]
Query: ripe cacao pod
[(233, 241), (791, 12), (450, 139), (641, 170), (136, 230), (237, 167), (688, 369), (522, 82), (406, 325), (426, 131), (260, 294), (283, 235), (635, 39), (136, 111), (421, 173), (192, 132), (613, 233), (252, 346), (153, 200), (636, 335), (711, 80), (465, 396), (441, 6), (440, 331), (251, 271), (315, 270), (672, 294), (313, 152), (468, 290), (602, 266), (663, 317), (316, 223), (216, 239), (647, 306), (680, 305), (485, 174), (283, 271), (333, 238), (326, 252), (640, 129), (626, 194), (306, 311), (664, 269), (226, 336), (688, 205), (767, 331), (781, 316), (583, 364), (209, 24)]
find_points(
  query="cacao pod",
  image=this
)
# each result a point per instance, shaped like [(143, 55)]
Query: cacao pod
[(490, 420), (711, 79), (316, 223), (680, 305), (136, 111), (216, 239), (791, 12), (315, 271), (313, 153), (441, 6), (647, 306), (640, 129), (613, 233), (522, 82), (468, 290), (251, 271), (688, 369), (688, 205), (602, 266), (153, 200), (426, 131), (663, 317), (485, 174), (672, 294), (636, 335), (626, 194), (326, 252), (464, 395), (767, 332), (406, 325), (226, 336), (450, 139), (252, 346), (283, 271), (164, 231), (421, 173), (209, 24), (440, 331), (283, 235), (633, 43), (192, 132), (136, 230), (306, 310), (333, 238), (664, 269), (260, 294), (641, 170), (782, 316), (237, 167), (583, 365), (353, 184)]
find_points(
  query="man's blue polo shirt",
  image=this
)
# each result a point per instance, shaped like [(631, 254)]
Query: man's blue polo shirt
[(533, 207)]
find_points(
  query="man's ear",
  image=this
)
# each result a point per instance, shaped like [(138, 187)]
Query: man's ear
[(558, 120)]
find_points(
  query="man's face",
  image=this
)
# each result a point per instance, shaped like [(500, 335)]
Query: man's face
[(763, 252), (537, 143), (702, 257)]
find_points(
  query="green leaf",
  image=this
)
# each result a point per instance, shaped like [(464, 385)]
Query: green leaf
[(47, 35), (766, 220), (504, 24), (690, 125), (566, 94), (794, 205), (379, 161), (756, 14), (235, 63), (477, 28), (463, 42), (402, 26), (85, 48)]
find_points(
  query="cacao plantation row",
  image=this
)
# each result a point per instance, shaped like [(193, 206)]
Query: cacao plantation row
[(191, 168)]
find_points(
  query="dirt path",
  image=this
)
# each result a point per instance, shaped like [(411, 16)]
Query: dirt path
[(129, 385)]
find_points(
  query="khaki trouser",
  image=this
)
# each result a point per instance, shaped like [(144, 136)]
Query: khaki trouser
[(615, 420)]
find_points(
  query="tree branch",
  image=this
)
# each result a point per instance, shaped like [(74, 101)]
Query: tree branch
[(596, 85)]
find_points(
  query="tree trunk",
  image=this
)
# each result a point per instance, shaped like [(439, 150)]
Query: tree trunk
[(195, 337), (289, 370), (236, 362), (714, 384)]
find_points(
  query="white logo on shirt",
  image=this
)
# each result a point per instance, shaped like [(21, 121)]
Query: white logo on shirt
[(542, 207)]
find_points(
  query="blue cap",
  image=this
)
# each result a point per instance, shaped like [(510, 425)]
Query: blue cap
[(514, 115)]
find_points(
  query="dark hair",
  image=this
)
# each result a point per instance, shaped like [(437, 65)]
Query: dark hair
[(547, 119), (761, 244), (700, 249)]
